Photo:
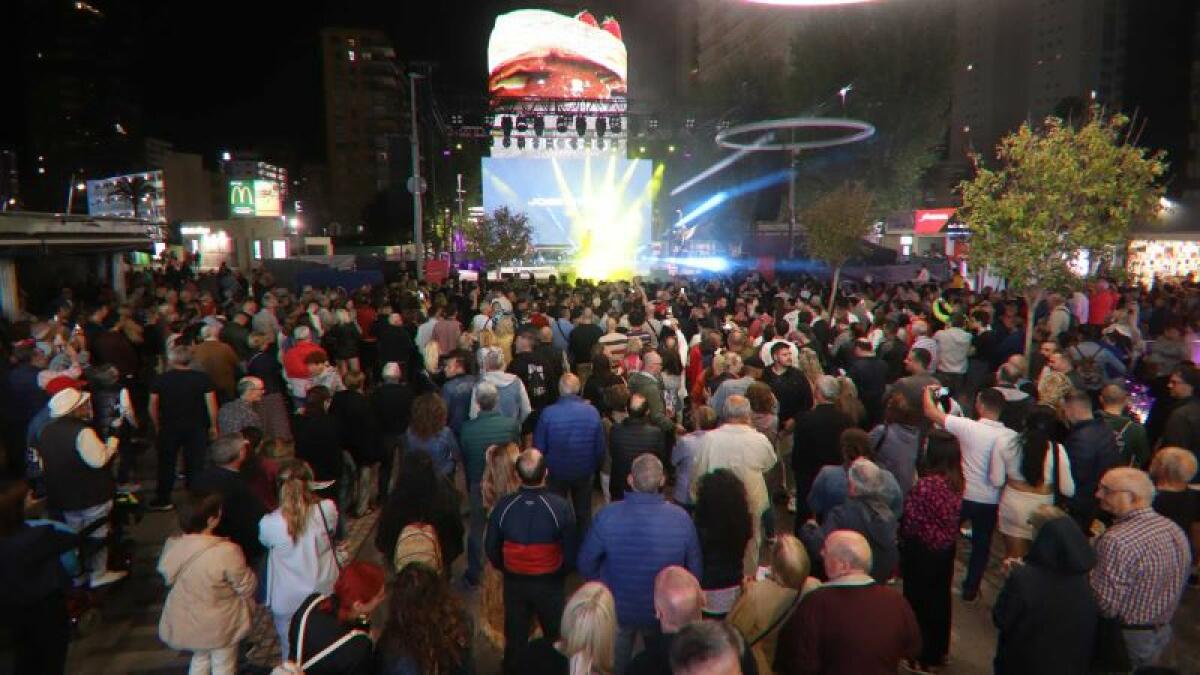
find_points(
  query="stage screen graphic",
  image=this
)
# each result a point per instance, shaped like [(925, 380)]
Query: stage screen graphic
[(597, 206), (533, 53)]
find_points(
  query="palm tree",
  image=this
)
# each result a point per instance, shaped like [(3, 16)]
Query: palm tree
[(135, 190)]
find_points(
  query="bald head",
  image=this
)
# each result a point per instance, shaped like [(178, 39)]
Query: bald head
[(531, 467), (678, 599), (1113, 396), (1124, 489), (846, 552), (545, 335)]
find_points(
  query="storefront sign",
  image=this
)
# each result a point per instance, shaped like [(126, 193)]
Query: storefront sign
[(931, 221)]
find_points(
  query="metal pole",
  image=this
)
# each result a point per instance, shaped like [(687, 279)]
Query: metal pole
[(461, 198), (71, 194), (416, 176), (792, 205)]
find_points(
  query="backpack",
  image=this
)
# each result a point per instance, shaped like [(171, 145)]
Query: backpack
[(1091, 374), (418, 544)]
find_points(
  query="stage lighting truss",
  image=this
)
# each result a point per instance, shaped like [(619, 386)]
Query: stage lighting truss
[(779, 129)]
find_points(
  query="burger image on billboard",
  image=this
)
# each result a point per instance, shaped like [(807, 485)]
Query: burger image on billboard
[(534, 53)]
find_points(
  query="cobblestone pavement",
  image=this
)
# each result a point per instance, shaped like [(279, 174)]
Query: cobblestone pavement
[(125, 640)]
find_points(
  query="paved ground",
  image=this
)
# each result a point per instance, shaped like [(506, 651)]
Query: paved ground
[(126, 639)]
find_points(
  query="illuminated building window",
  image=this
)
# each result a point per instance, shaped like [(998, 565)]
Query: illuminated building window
[(257, 246), (278, 248), (351, 55)]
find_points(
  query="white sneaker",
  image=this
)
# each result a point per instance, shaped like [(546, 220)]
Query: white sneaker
[(107, 577)]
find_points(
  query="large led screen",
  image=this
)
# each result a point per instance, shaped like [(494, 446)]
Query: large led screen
[(533, 53), (597, 206)]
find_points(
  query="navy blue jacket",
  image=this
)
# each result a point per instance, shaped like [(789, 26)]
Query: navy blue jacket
[(531, 532), (571, 436), (629, 543), (1092, 448)]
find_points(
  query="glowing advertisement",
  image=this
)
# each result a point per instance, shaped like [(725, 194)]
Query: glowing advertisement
[(597, 206), (110, 197), (254, 198), (534, 53)]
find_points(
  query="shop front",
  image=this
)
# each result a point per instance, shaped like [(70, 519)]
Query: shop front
[(241, 242)]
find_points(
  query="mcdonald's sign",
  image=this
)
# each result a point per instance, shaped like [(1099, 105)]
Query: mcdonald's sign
[(254, 198), (241, 198)]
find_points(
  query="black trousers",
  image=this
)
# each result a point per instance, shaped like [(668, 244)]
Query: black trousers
[(194, 443), (579, 492), (41, 632), (927, 577), (524, 598)]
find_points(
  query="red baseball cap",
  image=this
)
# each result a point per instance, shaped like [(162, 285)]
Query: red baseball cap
[(63, 382)]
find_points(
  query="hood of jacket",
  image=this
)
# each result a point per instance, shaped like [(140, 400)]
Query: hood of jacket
[(499, 378), (1061, 546), (179, 550)]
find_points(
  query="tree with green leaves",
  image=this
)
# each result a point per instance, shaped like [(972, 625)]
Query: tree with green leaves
[(498, 237), (835, 225), (1059, 191)]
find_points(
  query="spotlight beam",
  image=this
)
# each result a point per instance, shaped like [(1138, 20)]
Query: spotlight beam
[(762, 140)]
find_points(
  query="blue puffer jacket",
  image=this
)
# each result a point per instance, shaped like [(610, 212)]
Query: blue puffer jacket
[(571, 436), (629, 543)]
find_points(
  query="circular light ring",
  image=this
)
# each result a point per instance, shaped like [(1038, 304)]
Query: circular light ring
[(860, 132)]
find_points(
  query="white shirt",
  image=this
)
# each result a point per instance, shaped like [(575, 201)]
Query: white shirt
[(953, 346), (1010, 468), (425, 332), (297, 569), (983, 443), (930, 345), (744, 451)]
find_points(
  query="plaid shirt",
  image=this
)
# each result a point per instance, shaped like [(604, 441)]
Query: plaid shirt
[(1142, 564)]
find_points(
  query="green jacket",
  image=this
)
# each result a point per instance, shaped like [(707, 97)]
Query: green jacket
[(487, 429), (1131, 439), (651, 389)]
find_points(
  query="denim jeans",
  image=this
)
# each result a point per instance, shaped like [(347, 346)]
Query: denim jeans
[(77, 520), (1145, 646), (983, 525)]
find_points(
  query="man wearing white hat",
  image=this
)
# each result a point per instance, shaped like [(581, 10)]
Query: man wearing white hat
[(79, 483)]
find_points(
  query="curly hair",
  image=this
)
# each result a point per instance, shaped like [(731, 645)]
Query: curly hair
[(722, 515), (426, 621), (428, 416)]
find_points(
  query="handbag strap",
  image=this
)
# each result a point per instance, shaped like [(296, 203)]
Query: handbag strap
[(194, 556), (783, 616), (329, 536)]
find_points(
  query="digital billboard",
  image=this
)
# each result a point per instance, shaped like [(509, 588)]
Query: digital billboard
[(109, 197), (254, 198), (595, 206), (534, 53)]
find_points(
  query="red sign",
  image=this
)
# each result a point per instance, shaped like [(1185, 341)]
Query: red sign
[(931, 221), (436, 271)]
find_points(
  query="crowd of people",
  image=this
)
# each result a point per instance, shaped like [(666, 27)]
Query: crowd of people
[(694, 475)]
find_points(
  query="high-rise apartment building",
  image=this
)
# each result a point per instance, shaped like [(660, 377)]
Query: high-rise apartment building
[(364, 112)]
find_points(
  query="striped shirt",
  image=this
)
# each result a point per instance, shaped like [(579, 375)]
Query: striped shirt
[(1142, 564)]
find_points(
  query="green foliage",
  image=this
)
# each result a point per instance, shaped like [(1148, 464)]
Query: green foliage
[(133, 190), (498, 237), (898, 58), (837, 222), (1059, 190)]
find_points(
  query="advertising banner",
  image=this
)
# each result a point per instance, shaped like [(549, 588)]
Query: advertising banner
[(534, 53), (254, 198), (931, 221)]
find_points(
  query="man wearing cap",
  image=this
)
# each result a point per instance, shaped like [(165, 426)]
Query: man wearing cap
[(79, 484)]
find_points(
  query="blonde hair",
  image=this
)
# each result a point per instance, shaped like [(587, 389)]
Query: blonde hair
[(634, 346), (500, 473), (810, 364), (789, 561), (589, 628), (504, 327), (1053, 387), (487, 338), (720, 363), (848, 401), (295, 497)]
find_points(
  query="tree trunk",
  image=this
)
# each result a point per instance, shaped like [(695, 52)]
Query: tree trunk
[(1032, 298), (837, 273)]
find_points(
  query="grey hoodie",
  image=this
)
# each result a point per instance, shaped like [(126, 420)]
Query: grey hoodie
[(514, 401)]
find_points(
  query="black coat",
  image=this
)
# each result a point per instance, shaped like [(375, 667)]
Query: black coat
[(1183, 426), (633, 437), (319, 443), (357, 426), (241, 509), (1045, 613), (870, 376), (1092, 449), (818, 440)]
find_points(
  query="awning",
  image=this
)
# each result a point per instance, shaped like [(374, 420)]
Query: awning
[(931, 221)]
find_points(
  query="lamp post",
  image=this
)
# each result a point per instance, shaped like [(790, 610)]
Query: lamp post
[(415, 184)]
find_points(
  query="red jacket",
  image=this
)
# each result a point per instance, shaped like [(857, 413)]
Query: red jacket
[(293, 359)]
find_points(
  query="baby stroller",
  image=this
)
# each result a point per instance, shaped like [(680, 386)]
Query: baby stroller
[(83, 603)]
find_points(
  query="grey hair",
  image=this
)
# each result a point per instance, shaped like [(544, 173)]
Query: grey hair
[(568, 384), (647, 472), (180, 356), (702, 642), (829, 387), (302, 333), (865, 477), (735, 363), (208, 331), (247, 383), (1177, 465), (736, 408), (391, 372), (226, 448), (487, 396), (920, 328), (493, 358)]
